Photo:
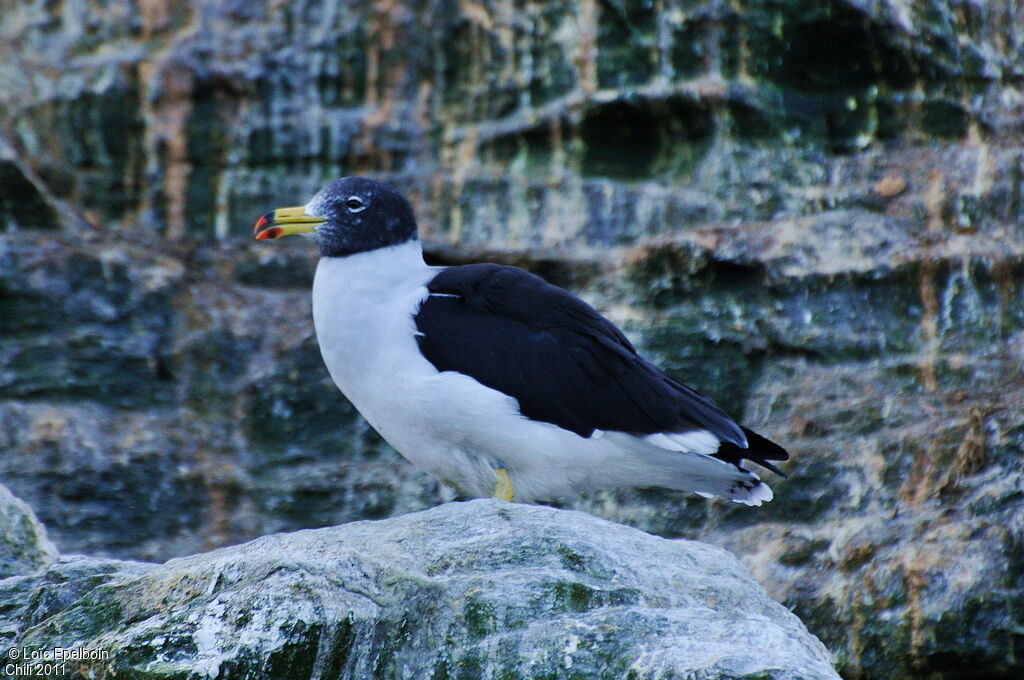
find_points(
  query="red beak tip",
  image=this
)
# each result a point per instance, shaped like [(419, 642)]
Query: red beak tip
[(264, 221), (270, 232)]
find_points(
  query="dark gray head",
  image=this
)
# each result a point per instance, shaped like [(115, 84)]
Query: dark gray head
[(350, 215), (362, 214)]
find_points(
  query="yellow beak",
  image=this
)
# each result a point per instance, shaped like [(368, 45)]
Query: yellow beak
[(285, 221)]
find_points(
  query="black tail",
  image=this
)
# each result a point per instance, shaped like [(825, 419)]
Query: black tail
[(759, 450)]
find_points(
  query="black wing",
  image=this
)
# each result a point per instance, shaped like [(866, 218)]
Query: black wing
[(561, 360)]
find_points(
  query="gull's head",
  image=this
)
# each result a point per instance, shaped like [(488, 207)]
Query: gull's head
[(350, 215)]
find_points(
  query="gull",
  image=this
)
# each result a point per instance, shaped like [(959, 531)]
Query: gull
[(494, 380)]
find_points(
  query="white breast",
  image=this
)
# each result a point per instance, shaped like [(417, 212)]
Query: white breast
[(363, 308), (363, 312)]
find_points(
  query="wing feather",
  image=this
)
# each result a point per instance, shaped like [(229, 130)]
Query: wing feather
[(558, 357)]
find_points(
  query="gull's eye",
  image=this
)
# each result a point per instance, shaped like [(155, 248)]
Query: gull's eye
[(355, 204)]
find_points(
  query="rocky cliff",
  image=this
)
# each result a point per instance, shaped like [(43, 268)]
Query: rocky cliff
[(813, 211)]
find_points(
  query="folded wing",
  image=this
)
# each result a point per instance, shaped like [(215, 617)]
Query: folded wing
[(562, 361)]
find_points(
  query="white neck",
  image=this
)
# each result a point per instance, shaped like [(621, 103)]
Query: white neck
[(364, 302), (382, 268)]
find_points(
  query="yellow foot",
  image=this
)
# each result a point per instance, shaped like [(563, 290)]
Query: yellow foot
[(503, 485)]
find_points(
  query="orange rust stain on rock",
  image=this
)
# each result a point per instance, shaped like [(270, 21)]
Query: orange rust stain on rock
[(166, 118), (971, 456), (934, 194), (919, 485), (586, 59), (384, 71), (916, 580), (155, 16), (890, 186), (929, 324)]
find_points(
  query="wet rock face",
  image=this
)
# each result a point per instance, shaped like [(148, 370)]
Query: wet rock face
[(85, 325), (153, 406), (570, 117), (23, 202), (811, 211), (480, 589)]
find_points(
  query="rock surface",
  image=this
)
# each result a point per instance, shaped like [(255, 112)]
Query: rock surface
[(467, 590), (830, 244), (590, 123), (24, 547), (152, 406)]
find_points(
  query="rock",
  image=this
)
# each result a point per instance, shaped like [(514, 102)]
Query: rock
[(720, 112), (89, 322), (30, 599), (897, 535), (189, 416), (24, 203), (477, 589), (24, 547)]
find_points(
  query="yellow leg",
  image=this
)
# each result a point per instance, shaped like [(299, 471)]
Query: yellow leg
[(503, 485)]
